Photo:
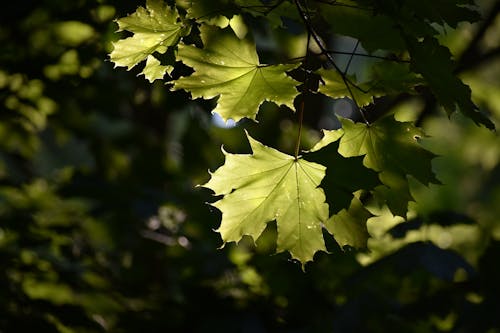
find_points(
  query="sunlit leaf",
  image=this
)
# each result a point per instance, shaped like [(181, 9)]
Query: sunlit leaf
[(344, 176), (154, 70), (155, 28), (384, 78), (230, 67), (391, 148), (334, 86), (349, 226), (213, 12), (269, 185)]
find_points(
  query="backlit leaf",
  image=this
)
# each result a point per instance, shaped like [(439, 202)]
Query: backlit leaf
[(434, 62), (345, 175), (335, 87), (229, 67), (213, 12), (349, 225), (155, 29), (391, 148), (269, 185), (384, 78), (154, 70)]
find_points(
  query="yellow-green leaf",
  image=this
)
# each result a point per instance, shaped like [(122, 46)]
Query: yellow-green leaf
[(229, 67), (269, 185), (155, 29), (391, 148), (349, 225)]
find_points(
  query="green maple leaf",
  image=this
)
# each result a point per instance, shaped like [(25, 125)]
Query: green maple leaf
[(335, 87), (391, 148), (374, 30), (213, 12), (345, 176), (384, 78), (154, 70), (229, 67), (155, 28), (273, 13), (442, 12), (349, 225), (434, 62), (218, 12), (269, 185)]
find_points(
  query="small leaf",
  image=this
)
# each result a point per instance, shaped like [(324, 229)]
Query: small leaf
[(348, 227), (269, 185), (391, 148), (335, 87), (212, 12), (155, 29), (229, 67), (154, 70)]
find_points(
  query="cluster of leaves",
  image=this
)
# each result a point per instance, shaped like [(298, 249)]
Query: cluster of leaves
[(101, 229), (269, 185)]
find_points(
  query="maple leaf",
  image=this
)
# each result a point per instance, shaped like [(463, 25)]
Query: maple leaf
[(384, 78), (391, 148), (335, 87), (213, 12), (203, 11), (154, 70), (155, 29), (269, 185), (374, 30), (345, 176), (348, 227), (229, 67), (434, 62), (276, 14)]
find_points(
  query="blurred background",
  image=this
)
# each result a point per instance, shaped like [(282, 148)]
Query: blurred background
[(103, 230)]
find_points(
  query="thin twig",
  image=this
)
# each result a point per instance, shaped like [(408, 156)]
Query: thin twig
[(347, 82), (335, 3), (350, 58), (357, 54), (302, 100)]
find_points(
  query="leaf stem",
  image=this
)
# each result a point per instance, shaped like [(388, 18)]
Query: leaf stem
[(350, 58), (357, 54), (303, 95), (304, 14), (301, 120)]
